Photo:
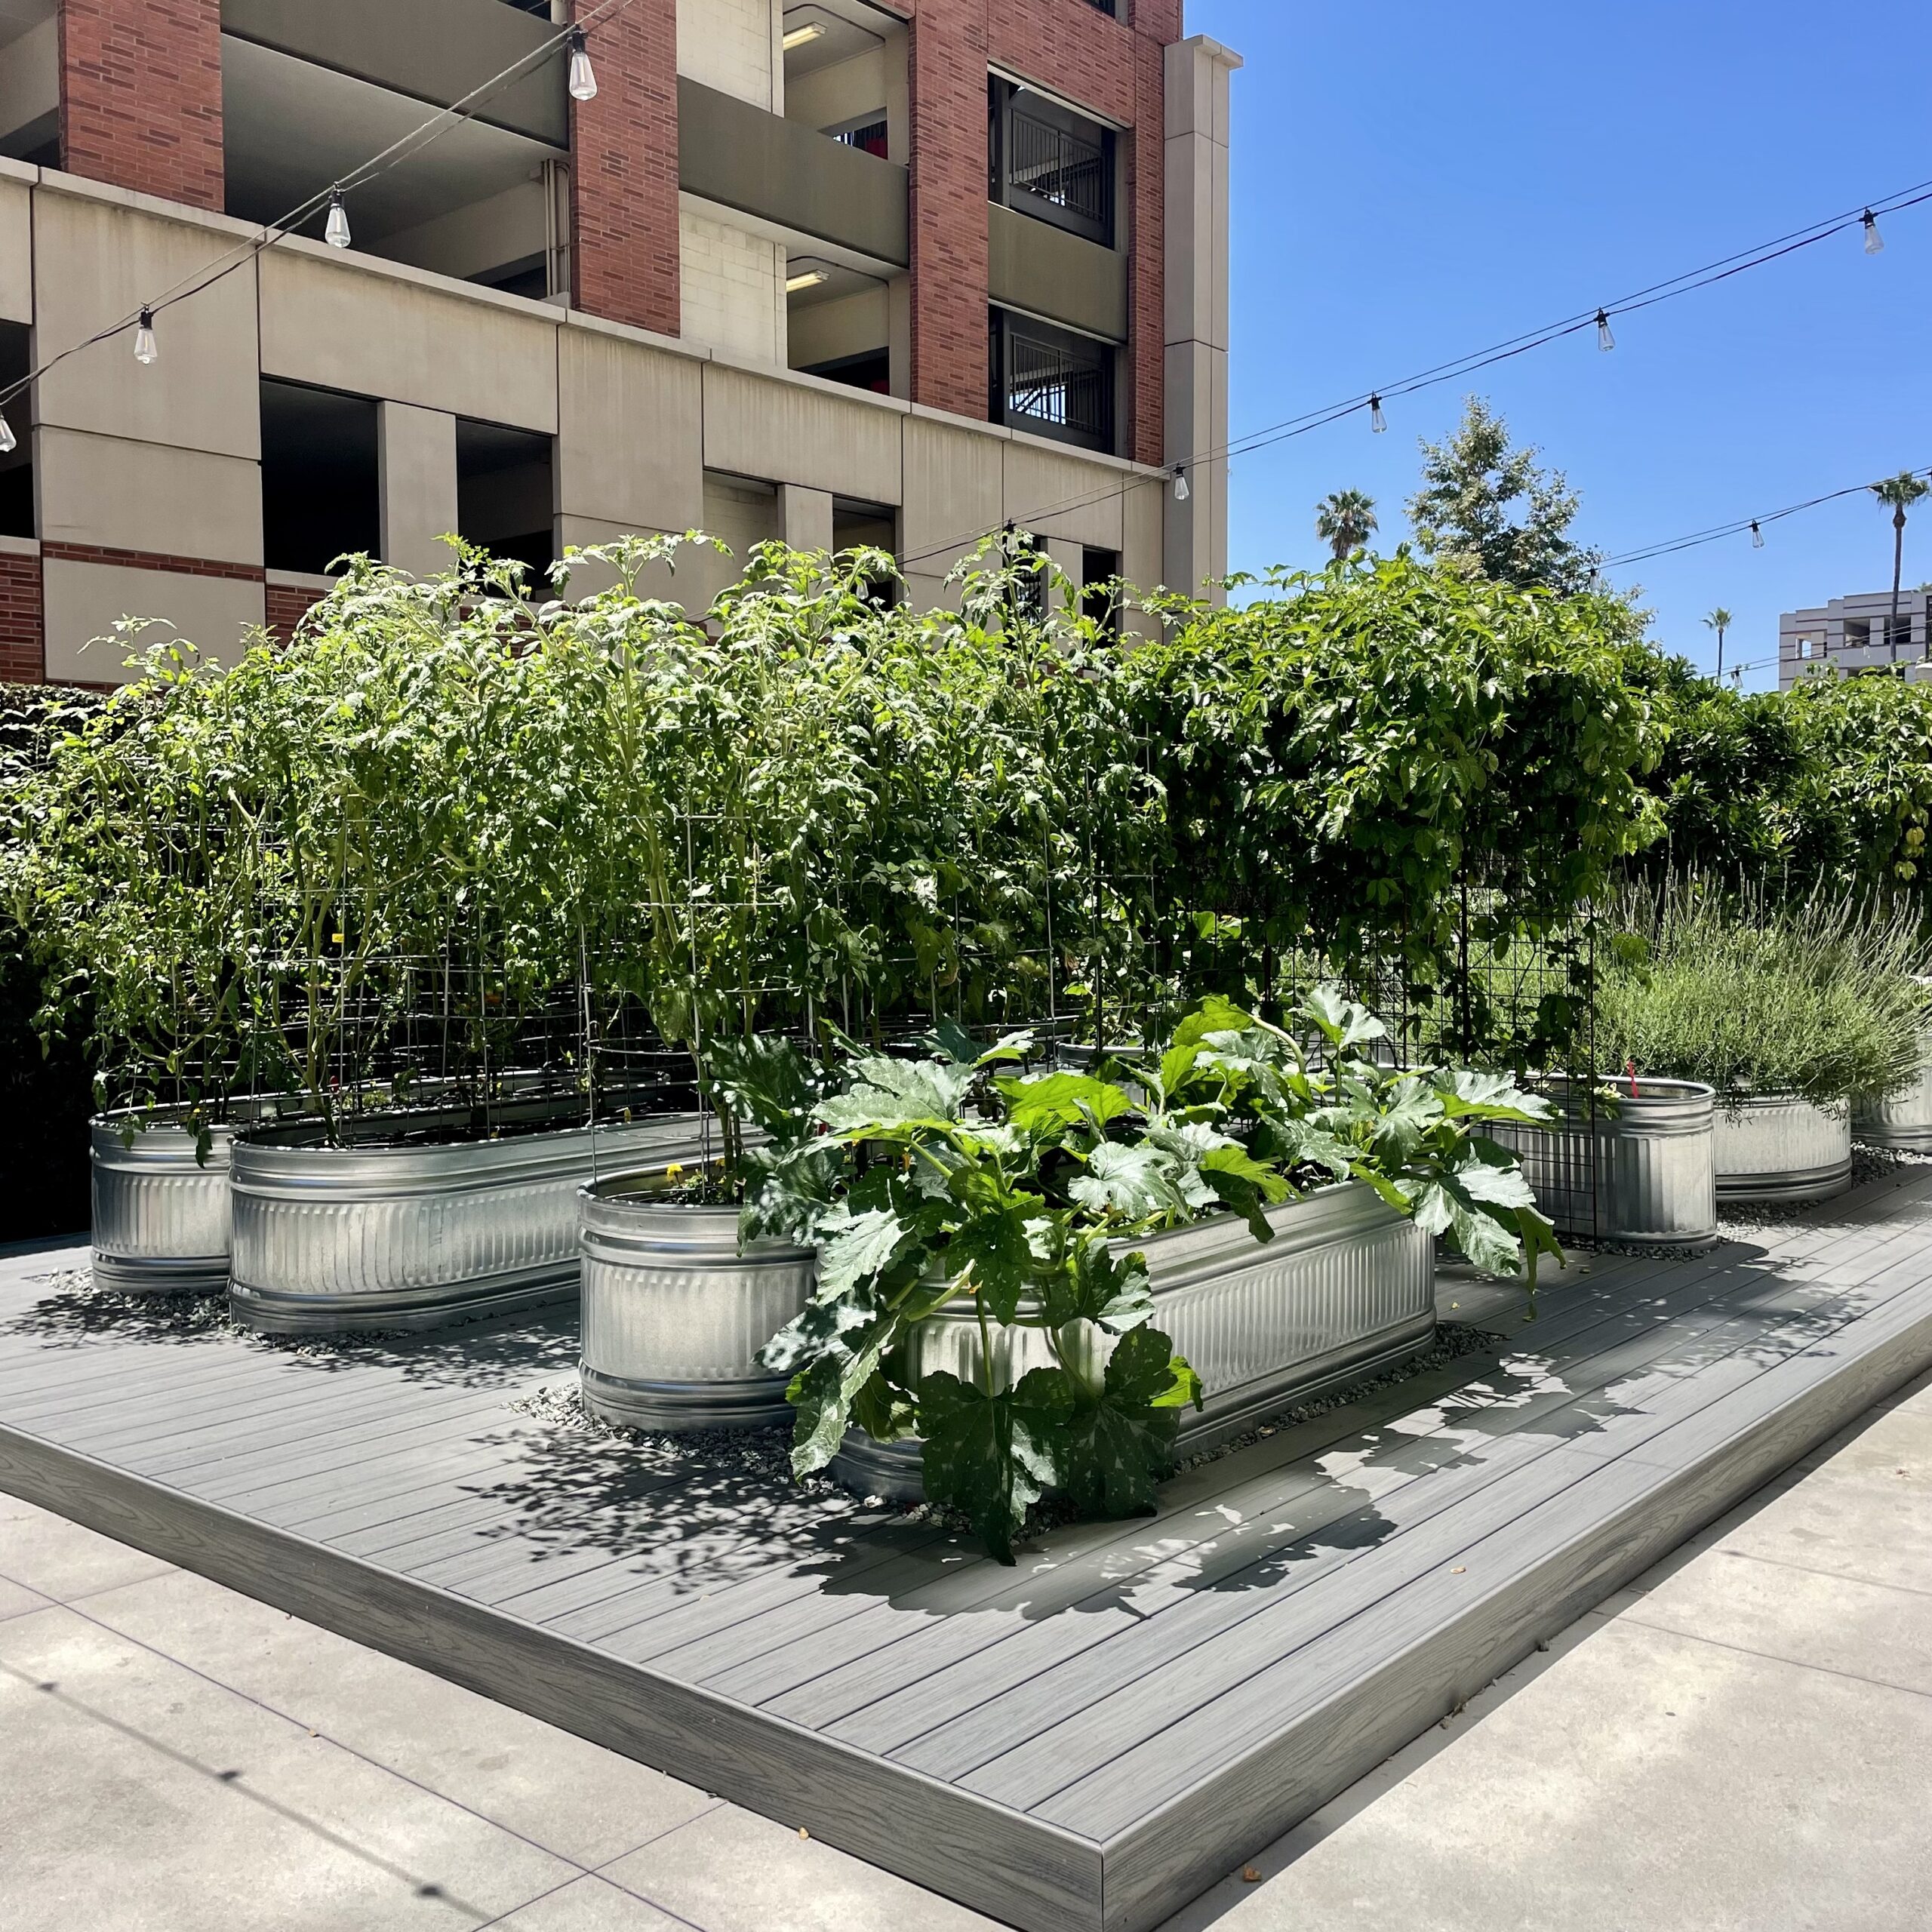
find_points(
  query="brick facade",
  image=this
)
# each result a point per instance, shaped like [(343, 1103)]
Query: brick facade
[(22, 659), (140, 96), (1088, 58), (287, 605), (624, 258)]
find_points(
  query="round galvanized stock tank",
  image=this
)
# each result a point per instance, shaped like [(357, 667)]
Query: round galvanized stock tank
[(1638, 1169), (1346, 1288), (674, 1313), (1774, 1147), (1903, 1121), (161, 1222), (329, 1240)]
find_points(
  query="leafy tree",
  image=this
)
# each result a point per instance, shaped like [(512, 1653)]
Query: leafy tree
[(1720, 621), (1346, 756), (1900, 493), (1489, 507), (1345, 520)]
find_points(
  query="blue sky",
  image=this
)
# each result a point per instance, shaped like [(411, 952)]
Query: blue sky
[(1413, 180)]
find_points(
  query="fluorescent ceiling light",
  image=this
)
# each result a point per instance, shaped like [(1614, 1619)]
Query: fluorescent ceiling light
[(803, 36), (808, 278)]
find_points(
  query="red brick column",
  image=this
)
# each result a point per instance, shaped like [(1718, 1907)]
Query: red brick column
[(140, 96), (1114, 68), (946, 91), (624, 252), (22, 653)]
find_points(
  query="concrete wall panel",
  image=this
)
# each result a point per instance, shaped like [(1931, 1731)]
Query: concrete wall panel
[(1047, 493), (955, 492), (16, 253), (786, 432), (129, 496), (95, 262), (326, 323), (84, 601), (629, 436)]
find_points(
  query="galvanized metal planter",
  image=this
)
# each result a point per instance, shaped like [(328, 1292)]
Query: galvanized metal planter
[(331, 1239), (160, 1223), (1346, 1287), (1903, 1122), (1640, 1170), (1773, 1147), (674, 1315)]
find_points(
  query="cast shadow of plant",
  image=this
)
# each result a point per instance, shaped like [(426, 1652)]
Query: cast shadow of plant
[(501, 1350), (673, 1515)]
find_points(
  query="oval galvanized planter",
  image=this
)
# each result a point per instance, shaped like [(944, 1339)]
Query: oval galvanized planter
[(1346, 1288), (674, 1315), (1640, 1169), (161, 1222), (1774, 1147), (1903, 1122), (332, 1239)]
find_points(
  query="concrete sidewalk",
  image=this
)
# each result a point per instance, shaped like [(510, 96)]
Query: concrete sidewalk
[(1743, 1741)]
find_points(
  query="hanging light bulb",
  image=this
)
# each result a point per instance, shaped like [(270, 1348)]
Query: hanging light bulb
[(335, 230), (583, 79), (1874, 242), (1182, 492), (1377, 422), (1757, 535), (8, 440), (1605, 339), (146, 348)]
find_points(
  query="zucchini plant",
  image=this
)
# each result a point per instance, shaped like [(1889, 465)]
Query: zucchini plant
[(959, 1174)]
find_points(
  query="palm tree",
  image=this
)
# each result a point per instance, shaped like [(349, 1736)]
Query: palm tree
[(1720, 621), (1345, 520), (1901, 492)]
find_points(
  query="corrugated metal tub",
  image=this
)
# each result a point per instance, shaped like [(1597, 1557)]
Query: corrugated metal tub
[(674, 1315), (1346, 1287), (1639, 1169), (1904, 1121), (329, 1239), (161, 1223), (1774, 1147)]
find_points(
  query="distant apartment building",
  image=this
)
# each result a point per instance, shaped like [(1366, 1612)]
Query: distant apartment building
[(1854, 635), (836, 272)]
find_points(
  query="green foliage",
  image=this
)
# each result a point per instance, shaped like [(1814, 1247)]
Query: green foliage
[(1345, 755), (247, 875), (1825, 790), (1345, 520), (1489, 508), (1022, 1194), (1813, 998)]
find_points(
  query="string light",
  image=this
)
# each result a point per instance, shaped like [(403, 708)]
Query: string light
[(583, 78), (146, 348), (1182, 493), (1377, 422), (335, 230), (1757, 535), (1605, 339), (8, 440), (1874, 242)]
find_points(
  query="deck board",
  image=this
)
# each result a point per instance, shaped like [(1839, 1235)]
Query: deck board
[(1079, 1741)]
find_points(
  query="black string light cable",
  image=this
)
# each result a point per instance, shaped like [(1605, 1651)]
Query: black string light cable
[(582, 86), (1740, 526), (1864, 218)]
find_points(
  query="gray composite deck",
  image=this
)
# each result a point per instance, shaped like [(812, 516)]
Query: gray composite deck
[(1087, 1741)]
